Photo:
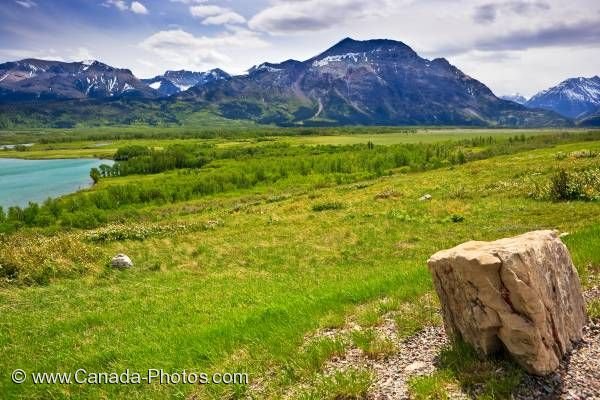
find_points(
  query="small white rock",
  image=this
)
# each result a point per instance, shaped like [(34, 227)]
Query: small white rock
[(121, 261), (425, 197)]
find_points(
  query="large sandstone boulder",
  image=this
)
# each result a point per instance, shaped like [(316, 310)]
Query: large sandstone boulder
[(521, 294)]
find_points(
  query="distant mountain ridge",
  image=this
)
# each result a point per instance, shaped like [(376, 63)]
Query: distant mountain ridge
[(573, 98), (33, 79), (371, 82), (172, 82), (590, 119), (364, 82), (517, 98)]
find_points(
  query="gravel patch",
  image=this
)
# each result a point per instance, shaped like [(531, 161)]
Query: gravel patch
[(578, 376), (416, 355)]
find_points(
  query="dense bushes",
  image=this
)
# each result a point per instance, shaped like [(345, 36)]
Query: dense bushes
[(198, 170), (564, 185), (581, 185)]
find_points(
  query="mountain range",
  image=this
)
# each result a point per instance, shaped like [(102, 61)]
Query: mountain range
[(575, 98), (173, 82), (32, 79), (372, 82), (517, 98)]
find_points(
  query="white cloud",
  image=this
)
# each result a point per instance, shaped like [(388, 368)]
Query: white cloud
[(290, 16), (207, 10), (225, 18), (119, 4), (189, 1), (19, 54), (138, 8), (82, 53), (122, 5), (184, 50), (26, 3), (66, 55), (216, 15)]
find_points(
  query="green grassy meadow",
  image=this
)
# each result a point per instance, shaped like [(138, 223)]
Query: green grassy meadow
[(233, 280)]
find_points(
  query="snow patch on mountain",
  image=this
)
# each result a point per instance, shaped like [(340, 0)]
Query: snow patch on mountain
[(578, 89), (573, 97), (354, 57), (517, 98), (87, 64), (182, 88)]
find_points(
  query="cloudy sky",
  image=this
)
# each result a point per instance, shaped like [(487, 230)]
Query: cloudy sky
[(512, 46)]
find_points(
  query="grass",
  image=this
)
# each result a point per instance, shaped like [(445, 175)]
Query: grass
[(461, 367), (351, 384), (372, 344), (413, 317), (593, 309), (328, 205), (242, 295), (104, 142)]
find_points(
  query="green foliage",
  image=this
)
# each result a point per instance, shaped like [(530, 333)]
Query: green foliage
[(311, 359), (35, 260), (461, 365), (328, 205), (95, 175), (411, 318), (198, 170), (372, 344), (593, 309), (430, 387), (351, 384), (120, 232), (454, 218), (248, 294), (559, 187), (587, 257), (576, 185)]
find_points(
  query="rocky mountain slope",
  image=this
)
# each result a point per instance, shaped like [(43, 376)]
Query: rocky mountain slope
[(364, 82), (32, 79), (173, 82), (373, 82), (590, 119), (573, 98)]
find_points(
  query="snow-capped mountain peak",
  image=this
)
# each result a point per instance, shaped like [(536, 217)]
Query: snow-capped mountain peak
[(572, 98), (516, 98), (41, 79), (173, 82)]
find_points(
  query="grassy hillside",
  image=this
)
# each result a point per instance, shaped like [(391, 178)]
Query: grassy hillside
[(234, 280)]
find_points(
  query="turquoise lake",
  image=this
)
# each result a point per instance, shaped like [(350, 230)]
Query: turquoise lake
[(22, 181)]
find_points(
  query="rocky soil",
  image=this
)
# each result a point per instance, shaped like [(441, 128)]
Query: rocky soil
[(578, 376)]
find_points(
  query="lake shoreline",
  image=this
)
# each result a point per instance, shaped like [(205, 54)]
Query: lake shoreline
[(27, 180)]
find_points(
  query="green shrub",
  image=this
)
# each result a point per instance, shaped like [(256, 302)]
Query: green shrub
[(559, 186), (580, 185), (328, 205)]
